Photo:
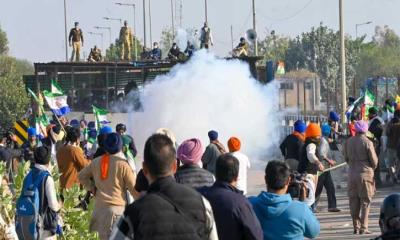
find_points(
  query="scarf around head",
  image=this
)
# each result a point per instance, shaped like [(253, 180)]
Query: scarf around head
[(104, 165)]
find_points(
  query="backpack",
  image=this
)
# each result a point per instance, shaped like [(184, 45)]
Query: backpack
[(28, 223)]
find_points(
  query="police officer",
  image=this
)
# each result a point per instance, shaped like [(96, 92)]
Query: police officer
[(125, 38), (206, 37), (76, 42), (95, 55), (389, 218)]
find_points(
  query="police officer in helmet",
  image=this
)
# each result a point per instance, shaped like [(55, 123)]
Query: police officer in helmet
[(389, 219)]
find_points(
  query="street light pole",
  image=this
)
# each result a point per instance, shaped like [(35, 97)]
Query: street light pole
[(342, 62), (254, 28), (109, 31), (151, 37), (361, 24), (205, 10), (101, 35), (172, 20), (66, 34), (113, 19), (144, 23)]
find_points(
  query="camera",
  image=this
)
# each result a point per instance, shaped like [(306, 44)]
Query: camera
[(298, 186)]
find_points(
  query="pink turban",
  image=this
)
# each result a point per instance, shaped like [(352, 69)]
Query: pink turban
[(190, 151), (361, 126)]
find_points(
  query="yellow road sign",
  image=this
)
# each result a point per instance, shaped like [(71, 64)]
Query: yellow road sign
[(21, 131)]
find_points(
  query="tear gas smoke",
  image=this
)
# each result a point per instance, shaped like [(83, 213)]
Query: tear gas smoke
[(209, 93)]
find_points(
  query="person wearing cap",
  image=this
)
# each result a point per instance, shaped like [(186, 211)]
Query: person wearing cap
[(30, 145), (234, 216), (70, 159), (310, 161), (234, 146), (190, 173), (360, 155), (389, 218), (212, 152), (292, 145), (75, 40), (376, 127), (126, 41), (108, 177), (325, 179)]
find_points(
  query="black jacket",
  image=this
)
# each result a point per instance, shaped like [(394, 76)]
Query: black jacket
[(291, 147), (194, 176), (376, 128), (168, 211), (305, 166), (234, 215)]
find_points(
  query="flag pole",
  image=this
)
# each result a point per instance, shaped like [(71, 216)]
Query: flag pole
[(58, 120)]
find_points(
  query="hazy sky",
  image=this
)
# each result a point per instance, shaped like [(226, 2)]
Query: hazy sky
[(35, 28)]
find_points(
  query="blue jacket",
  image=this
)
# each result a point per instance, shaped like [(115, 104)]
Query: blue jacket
[(233, 214), (282, 218)]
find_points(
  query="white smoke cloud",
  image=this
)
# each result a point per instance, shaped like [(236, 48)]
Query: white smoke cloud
[(209, 93)]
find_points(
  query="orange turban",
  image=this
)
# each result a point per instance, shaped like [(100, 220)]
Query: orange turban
[(234, 144), (313, 130)]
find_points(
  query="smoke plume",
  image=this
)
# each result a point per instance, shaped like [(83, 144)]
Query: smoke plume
[(209, 93)]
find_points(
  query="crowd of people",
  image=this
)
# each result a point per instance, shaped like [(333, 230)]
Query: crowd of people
[(193, 191)]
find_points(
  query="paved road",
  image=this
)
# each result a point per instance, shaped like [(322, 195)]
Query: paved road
[(333, 225)]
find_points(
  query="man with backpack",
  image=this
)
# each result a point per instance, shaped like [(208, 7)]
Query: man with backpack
[(37, 207)]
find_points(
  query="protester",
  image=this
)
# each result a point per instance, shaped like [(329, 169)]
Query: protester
[(190, 173), (292, 145), (280, 216), (389, 218), (128, 142), (169, 210), (212, 152), (108, 177), (393, 140), (359, 153), (309, 159), (234, 146), (70, 159), (376, 127), (234, 216), (100, 141), (40, 177), (352, 129), (30, 145), (325, 179), (5, 154)]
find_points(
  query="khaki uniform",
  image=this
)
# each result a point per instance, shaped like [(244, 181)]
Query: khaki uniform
[(359, 153), (110, 197), (76, 36), (125, 37)]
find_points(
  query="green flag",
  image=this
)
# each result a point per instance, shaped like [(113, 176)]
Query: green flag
[(100, 116)]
